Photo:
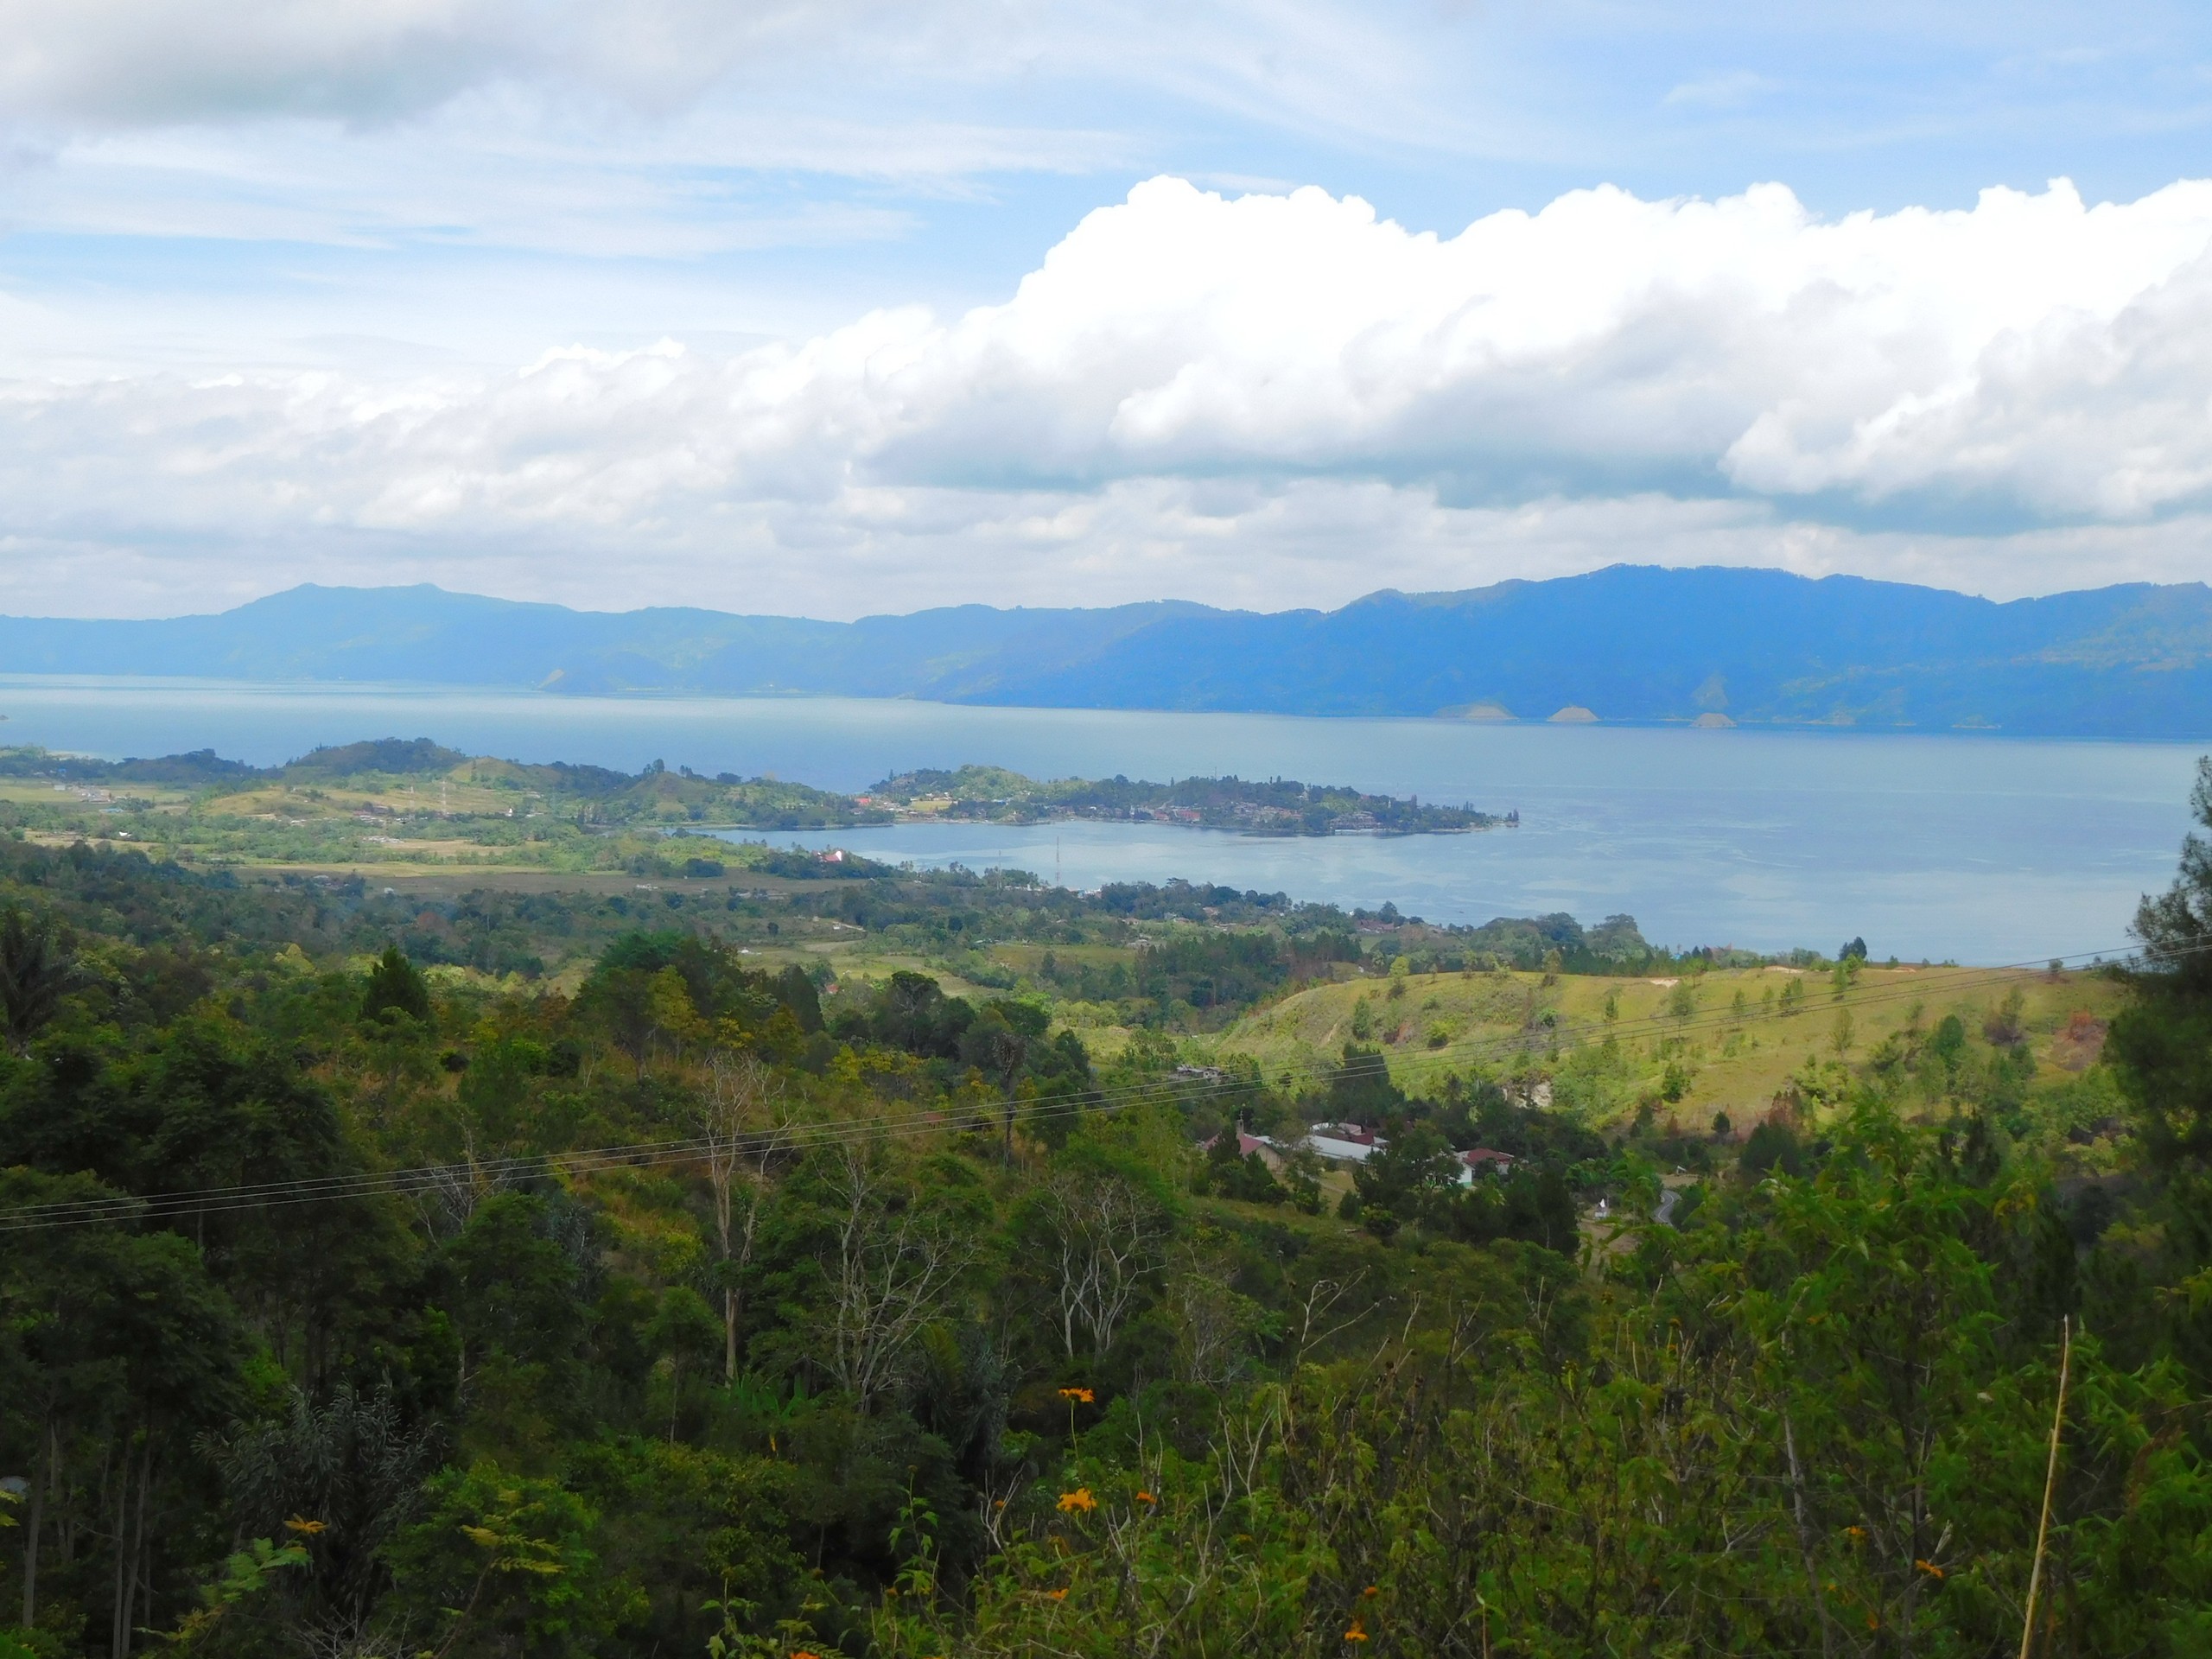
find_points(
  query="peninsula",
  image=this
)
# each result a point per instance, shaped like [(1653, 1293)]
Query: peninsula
[(396, 801), (1277, 807)]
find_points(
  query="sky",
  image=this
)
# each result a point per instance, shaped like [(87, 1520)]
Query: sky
[(850, 307)]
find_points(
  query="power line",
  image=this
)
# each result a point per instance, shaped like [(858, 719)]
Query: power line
[(797, 1137), (432, 1177)]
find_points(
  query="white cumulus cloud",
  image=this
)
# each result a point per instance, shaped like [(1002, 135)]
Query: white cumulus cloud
[(2033, 351), (1277, 398)]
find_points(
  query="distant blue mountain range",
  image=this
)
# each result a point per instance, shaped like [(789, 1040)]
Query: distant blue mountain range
[(1630, 643)]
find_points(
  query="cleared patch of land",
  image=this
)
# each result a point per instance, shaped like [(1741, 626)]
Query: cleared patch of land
[(1730, 1040)]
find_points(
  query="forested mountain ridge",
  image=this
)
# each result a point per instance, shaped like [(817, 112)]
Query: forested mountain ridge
[(416, 778), (1629, 643)]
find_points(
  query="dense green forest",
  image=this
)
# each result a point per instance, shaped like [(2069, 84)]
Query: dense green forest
[(542, 1273)]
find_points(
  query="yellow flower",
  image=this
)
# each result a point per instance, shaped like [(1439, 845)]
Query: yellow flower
[(1080, 1396), (1078, 1502), (305, 1529), (1356, 1633)]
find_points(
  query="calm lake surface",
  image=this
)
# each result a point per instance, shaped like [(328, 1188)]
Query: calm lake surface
[(1975, 848)]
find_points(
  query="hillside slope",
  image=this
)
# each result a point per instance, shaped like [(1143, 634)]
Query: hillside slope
[(1630, 643), (1728, 1041)]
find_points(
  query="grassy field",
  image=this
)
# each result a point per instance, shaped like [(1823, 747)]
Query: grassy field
[(1722, 1041)]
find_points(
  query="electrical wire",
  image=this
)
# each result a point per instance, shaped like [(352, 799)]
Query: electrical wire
[(432, 1177), (797, 1137)]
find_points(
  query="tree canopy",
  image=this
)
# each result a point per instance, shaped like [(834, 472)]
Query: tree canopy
[(364, 1294)]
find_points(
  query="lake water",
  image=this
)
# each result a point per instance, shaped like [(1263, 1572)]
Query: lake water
[(1975, 849)]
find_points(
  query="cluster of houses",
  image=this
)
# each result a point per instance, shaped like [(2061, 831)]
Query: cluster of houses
[(1354, 1144)]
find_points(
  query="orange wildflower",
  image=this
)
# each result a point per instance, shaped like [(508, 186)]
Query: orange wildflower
[(305, 1529), (1356, 1633), (1058, 1595), (1929, 1568), (1078, 1502), (1147, 1497), (1080, 1396)]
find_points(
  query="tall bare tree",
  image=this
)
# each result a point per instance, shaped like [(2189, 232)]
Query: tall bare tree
[(1107, 1235), (892, 1267), (744, 1123)]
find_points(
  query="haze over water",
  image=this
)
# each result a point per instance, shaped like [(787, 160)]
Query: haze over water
[(1967, 847)]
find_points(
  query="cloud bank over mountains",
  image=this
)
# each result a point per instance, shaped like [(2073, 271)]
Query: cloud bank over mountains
[(1265, 399), (813, 307)]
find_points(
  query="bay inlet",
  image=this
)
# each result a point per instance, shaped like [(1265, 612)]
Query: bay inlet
[(1961, 846)]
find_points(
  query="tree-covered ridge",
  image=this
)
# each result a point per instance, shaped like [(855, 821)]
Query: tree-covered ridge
[(410, 803), (1277, 807), (374, 776), (1632, 643), (703, 1292)]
